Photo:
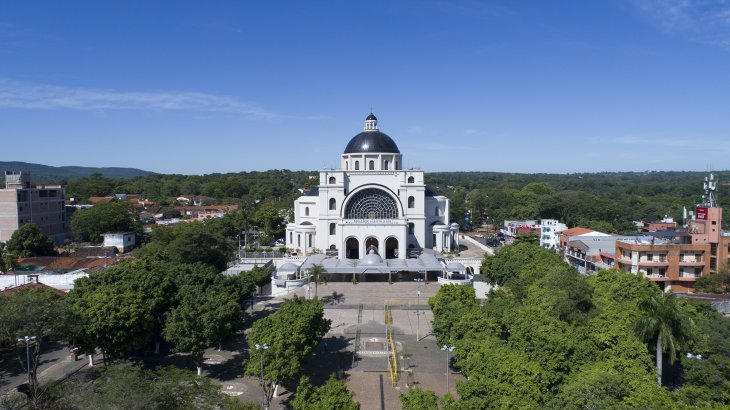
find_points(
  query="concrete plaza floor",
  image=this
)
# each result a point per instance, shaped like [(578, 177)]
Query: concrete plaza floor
[(354, 308)]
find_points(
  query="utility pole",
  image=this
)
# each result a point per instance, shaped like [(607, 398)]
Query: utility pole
[(447, 349), (418, 310), (262, 350), (27, 340)]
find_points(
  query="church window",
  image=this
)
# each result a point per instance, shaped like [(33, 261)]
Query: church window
[(357, 165), (411, 180), (333, 180), (371, 203), (333, 227), (306, 211), (437, 211), (434, 240), (333, 204), (411, 202), (310, 241), (385, 164), (347, 165), (411, 228), (299, 240), (291, 237), (372, 165)]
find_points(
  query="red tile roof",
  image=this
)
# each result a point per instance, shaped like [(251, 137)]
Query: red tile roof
[(576, 231)]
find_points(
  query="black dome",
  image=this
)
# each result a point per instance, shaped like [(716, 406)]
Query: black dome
[(371, 117), (371, 141)]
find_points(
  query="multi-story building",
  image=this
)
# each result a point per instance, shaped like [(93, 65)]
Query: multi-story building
[(549, 229), (21, 204), (675, 259)]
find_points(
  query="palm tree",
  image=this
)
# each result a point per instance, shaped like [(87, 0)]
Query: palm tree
[(665, 322), (316, 271)]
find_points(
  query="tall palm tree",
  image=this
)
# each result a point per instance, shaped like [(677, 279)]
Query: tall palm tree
[(316, 271), (662, 320)]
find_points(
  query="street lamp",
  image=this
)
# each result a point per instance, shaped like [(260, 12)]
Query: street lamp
[(418, 310), (27, 340), (447, 349), (262, 349)]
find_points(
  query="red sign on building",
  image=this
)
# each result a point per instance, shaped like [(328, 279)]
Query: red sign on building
[(701, 213)]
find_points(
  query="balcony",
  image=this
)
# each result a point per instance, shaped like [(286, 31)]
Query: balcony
[(691, 262), (656, 277), (654, 262)]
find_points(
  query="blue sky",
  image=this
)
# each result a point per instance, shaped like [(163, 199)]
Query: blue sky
[(228, 86)]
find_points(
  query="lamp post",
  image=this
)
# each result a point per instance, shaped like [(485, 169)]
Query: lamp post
[(447, 349), (27, 340), (418, 310), (262, 349)]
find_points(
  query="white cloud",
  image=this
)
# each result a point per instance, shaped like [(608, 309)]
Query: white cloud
[(16, 94), (706, 21)]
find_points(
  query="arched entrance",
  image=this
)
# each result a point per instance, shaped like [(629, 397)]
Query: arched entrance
[(391, 248), (352, 248), (372, 243)]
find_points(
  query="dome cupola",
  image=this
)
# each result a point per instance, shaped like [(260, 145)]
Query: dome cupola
[(371, 140)]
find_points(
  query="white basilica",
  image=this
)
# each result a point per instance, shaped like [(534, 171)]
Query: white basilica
[(371, 208)]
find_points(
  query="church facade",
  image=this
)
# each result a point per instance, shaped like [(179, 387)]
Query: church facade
[(371, 205)]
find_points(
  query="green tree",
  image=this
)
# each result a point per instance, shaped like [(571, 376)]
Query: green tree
[(189, 243), (171, 213), (419, 399), (718, 282), (129, 386), (39, 312), (110, 317), (333, 395), (90, 224), (510, 260), (205, 317), (449, 304), (316, 272), (29, 241), (8, 259), (664, 322), (291, 333)]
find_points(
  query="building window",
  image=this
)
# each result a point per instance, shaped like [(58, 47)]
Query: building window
[(357, 165), (291, 237), (333, 228), (310, 241), (385, 164), (411, 228), (372, 165), (333, 180), (433, 238), (347, 165), (371, 203), (396, 165), (650, 257), (436, 211), (299, 240), (411, 180), (306, 211), (333, 204), (411, 202)]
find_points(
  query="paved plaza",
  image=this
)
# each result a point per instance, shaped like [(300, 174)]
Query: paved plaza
[(356, 312)]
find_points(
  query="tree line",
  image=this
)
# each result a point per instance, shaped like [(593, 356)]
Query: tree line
[(607, 202)]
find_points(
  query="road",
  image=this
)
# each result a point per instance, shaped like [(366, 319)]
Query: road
[(54, 363)]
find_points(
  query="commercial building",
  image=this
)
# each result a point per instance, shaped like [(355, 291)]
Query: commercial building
[(21, 204), (676, 259)]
